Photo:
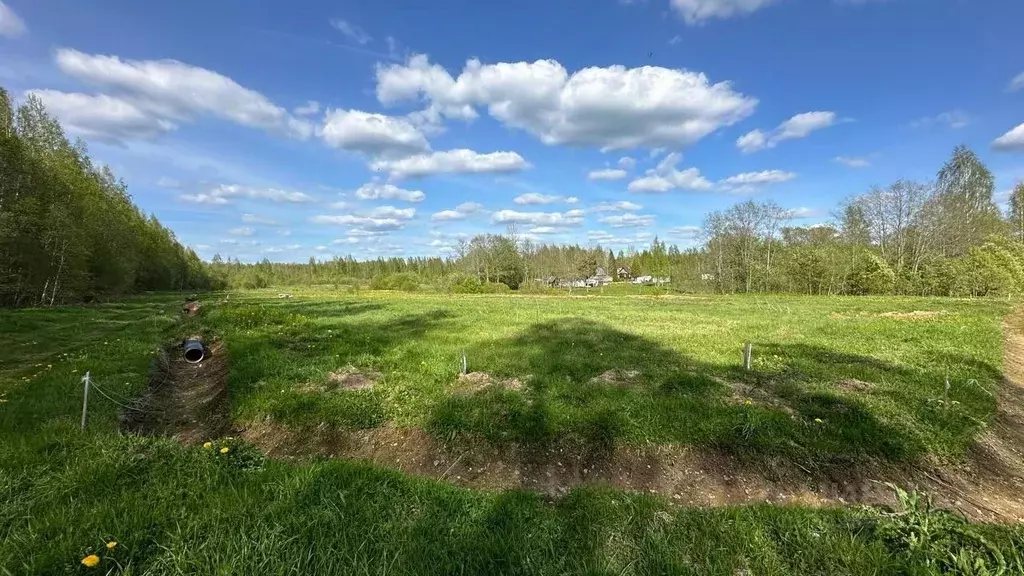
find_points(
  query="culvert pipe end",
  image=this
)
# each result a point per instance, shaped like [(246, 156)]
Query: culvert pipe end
[(194, 351)]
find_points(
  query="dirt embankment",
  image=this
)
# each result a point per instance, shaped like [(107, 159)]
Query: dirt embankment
[(184, 400)]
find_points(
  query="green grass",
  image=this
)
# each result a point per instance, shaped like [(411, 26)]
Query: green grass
[(686, 349), (189, 510)]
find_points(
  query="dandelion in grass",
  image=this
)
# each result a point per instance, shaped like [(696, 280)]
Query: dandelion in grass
[(91, 561), (748, 403), (819, 421), (207, 444), (225, 450), (111, 545)]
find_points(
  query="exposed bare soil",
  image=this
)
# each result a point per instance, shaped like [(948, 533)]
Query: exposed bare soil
[(617, 378), (183, 400), (474, 382), (915, 315)]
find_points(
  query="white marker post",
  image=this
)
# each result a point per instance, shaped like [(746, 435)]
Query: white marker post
[(747, 349), (85, 399)]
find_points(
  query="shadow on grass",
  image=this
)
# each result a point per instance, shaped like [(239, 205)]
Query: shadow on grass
[(592, 382), (321, 307), (278, 347)]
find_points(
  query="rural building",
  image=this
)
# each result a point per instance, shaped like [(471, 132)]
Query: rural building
[(600, 278)]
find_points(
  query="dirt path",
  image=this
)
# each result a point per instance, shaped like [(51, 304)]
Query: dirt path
[(988, 486)]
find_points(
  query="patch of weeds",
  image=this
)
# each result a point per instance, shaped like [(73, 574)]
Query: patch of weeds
[(235, 454), (939, 541)]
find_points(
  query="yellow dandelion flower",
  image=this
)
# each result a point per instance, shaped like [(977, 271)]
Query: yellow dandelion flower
[(225, 450), (748, 402), (207, 444), (91, 561), (111, 544), (818, 421)]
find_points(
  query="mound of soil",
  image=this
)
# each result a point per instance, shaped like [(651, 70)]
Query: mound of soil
[(474, 382), (854, 385), (350, 378), (915, 315), (183, 400), (616, 377)]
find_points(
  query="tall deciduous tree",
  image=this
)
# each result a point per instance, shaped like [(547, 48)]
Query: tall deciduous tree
[(968, 214), (1015, 213)]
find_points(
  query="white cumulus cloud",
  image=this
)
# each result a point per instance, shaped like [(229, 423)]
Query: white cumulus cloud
[(553, 219), (607, 174), (176, 91), (372, 134), (535, 199), (751, 181), (628, 220), (221, 194), (378, 191), (684, 232), (622, 206), (610, 107), (461, 212), (103, 118), (666, 177), (799, 126), (392, 212), (627, 163), (953, 119), (696, 12), (853, 162), (1012, 140), (368, 225), (459, 161)]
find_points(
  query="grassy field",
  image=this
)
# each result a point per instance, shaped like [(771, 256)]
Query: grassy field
[(872, 371), (832, 379)]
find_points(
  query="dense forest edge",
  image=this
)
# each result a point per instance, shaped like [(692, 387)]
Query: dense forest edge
[(70, 232)]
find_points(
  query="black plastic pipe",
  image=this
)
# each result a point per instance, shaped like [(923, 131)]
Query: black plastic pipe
[(194, 351)]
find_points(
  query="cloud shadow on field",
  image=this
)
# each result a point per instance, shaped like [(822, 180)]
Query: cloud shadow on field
[(592, 382)]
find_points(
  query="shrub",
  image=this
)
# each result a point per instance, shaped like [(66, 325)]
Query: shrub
[(941, 542), (460, 283), (404, 281)]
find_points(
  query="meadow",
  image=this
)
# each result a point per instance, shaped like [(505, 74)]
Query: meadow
[(834, 383), (639, 370)]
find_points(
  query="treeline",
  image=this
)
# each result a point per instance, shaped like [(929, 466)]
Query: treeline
[(69, 231), (941, 238)]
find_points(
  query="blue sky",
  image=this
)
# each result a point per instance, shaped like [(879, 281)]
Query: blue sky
[(285, 130)]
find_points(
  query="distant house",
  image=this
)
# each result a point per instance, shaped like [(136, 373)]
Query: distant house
[(658, 280), (600, 278), (624, 273)]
